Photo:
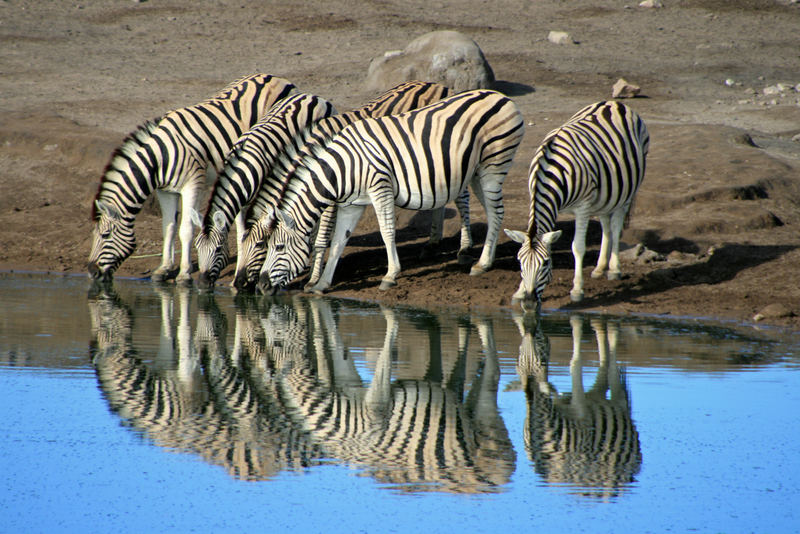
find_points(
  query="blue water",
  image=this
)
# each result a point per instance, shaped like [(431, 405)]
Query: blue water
[(714, 408)]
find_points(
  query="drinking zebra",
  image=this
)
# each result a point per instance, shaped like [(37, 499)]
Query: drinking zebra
[(246, 167), (404, 97), (591, 166), (583, 438), (170, 156), (417, 160)]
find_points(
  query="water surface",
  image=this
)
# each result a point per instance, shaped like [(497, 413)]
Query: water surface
[(151, 408)]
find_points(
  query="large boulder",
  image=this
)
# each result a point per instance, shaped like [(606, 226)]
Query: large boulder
[(447, 57)]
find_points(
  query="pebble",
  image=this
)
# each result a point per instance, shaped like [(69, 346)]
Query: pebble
[(623, 89), (559, 38), (773, 311)]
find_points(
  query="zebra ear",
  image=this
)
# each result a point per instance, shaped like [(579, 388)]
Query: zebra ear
[(196, 219), (516, 235), (219, 219), (551, 237), (285, 219), (106, 209)]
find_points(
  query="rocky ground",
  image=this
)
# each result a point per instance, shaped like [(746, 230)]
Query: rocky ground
[(716, 221)]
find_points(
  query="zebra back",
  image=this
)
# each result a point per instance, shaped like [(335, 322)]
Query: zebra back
[(405, 96), (594, 162), (159, 153)]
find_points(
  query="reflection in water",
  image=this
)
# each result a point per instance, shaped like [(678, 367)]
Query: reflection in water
[(583, 438), (289, 394)]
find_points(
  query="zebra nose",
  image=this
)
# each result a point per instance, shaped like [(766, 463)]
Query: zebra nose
[(264, 286), (205, 281), (530, 304), (241, 283)]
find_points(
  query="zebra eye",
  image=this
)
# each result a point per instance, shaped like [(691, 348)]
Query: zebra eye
[(105, 234), (279, 247)]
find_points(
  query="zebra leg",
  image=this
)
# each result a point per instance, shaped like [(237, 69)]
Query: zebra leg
[(490, 195), (617, 223), (347, 218), (462, 204), (602, 259), (578, 250), (435, 238), (383, 201), (186, 231), (168, 202), (321, 243), (240, 230)]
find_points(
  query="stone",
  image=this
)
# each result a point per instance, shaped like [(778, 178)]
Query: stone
[(447, 57), (623, 89), (773, 311), (652, 3), (559, 38)]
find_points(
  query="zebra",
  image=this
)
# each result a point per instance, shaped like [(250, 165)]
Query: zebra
[(171, 157), (418, 433), (419, 160), (591, 166), (247, 165), (206, 403), (403, 97), (581, 438)]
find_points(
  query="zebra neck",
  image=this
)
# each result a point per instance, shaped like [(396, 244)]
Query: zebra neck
[(544, 211)]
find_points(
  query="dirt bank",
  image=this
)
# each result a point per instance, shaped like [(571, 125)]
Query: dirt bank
[(720, 205)]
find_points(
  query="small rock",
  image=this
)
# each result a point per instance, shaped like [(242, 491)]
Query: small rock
[(632, 253), (652, 3), (771, 90), (796, 138), (623, 89), (649, 256), (559, 38), (773, 311), (730, 82)]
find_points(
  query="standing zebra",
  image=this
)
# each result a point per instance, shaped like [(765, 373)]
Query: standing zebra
[(417, 160), (171, 157), (591, 166), (404, 97), (247, 165)]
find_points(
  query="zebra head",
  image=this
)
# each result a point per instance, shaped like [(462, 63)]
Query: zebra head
[(112, 241), (288, 254), (211, 244), (252, 250), (535, 266)]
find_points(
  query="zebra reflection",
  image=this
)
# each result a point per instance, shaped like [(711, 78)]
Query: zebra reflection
[(414, 434), (583, 438), (203, 403)]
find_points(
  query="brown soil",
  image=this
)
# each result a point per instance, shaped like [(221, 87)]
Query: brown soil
[(720, 202)]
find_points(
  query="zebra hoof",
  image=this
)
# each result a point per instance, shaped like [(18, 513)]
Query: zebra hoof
[(477, 270), (597, 273), (387, 284), (576, 296), (464, 258), (614, 275)]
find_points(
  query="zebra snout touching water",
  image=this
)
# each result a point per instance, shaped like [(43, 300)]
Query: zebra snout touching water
[(418, 160), (171, 157), (592, 166), (246, 167)]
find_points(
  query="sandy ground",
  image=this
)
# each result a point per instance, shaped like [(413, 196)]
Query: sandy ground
[(720, 204)]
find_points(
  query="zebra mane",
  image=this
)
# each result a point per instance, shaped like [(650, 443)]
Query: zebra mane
[(132, 142)]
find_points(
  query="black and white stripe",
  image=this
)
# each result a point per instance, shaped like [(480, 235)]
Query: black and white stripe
[(418, 160), (585, 438), (170, 156), (591, 166), (247, 166), (403, 97)]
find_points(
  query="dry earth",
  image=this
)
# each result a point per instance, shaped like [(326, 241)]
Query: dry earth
[(720, 203)]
